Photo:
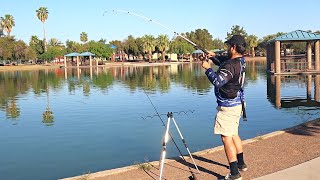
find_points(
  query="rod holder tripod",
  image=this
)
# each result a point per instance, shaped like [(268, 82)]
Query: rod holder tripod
[(165, 141)]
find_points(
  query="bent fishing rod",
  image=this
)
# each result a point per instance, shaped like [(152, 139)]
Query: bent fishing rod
[(214, 60)]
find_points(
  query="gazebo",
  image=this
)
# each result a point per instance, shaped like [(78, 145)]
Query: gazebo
[(292, 65), (77, 55)]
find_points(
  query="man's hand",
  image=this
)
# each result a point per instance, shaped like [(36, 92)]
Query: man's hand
[(203, 57), (211, 54), (206, 65)]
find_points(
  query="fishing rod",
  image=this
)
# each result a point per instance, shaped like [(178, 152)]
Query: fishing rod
[(192, 174), (214, 60)]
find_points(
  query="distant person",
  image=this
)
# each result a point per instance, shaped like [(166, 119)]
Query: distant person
[(228, 90)]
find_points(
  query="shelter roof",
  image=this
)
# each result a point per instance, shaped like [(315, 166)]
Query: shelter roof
[(197, 51), (72, 54), (87, 54), (297, 35)]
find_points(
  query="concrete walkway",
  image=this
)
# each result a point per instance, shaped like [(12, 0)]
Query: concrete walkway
[(292, 153), (308, 170)]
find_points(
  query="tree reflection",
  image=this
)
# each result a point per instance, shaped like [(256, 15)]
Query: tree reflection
[(12, 110), (47, 115)]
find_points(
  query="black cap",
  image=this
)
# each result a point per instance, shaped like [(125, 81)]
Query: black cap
[(237, 39)]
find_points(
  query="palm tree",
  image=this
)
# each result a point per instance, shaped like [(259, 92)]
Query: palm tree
[(252, 42), (55, 42), (42, 14), (84, 37), (148, 45), (7, 23), (163, 44)]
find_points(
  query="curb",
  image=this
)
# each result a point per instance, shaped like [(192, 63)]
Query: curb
[(207, 151)]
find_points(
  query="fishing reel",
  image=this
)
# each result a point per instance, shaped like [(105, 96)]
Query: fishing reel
[(204, 57)]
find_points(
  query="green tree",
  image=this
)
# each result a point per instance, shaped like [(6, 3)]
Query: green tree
[(100, 49), (72, 46), (218, 44), (163, 44), (42, 14), (31, 54), (149, 45), (201, 37), (53, 52), (130, 46), (20, 50), (83, 37), (180, 47), (118, 44), (252, 41), (7, 23), (7, 45), (55, 42), (36, 44), (237, 30)]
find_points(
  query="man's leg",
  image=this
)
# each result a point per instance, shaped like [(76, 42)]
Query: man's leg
[(238, 145), (231, 153)]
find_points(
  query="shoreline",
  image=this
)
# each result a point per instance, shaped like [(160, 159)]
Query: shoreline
[(249, 143), (109, 64)]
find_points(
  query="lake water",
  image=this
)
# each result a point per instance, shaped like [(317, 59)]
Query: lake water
[(61, 123)]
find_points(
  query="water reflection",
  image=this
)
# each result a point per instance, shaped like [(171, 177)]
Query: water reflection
[(17, 84), (281, 93), (47, 115), (190, 76), (97, 109)]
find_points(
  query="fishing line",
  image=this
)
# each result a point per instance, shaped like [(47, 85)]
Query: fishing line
[(156, 115), (156, 22)]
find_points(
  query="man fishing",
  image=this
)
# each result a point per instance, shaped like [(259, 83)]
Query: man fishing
[(228, 81)]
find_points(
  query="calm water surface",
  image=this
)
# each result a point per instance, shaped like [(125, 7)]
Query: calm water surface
[(61, 123)]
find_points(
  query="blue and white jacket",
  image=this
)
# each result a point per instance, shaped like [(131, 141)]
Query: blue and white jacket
[(228, 81)]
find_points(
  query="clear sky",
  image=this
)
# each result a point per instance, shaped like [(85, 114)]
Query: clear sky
[(68, 18)]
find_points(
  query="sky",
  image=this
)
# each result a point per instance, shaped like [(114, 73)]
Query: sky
[(68, 18)]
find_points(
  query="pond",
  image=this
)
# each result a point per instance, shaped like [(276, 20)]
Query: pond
[(66, 122)]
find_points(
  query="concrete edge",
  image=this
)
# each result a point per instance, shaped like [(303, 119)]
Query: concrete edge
[(207, 151)]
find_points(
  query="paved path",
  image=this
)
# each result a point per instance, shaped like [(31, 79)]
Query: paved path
[(307, 170), (264, 155)]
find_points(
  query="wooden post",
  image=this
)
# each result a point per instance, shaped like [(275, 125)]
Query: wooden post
[(90, 61), (317, 55), (309, 86), (278, 91), (65, 61), (317, 88), (277, 57), (77, 61), (309, 55), (268, 59), (65, 73)]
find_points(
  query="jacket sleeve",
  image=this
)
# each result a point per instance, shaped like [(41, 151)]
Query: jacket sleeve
[(222, 76)]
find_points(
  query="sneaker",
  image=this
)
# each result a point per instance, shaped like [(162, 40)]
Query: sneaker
[(242, 167), (232, 177)]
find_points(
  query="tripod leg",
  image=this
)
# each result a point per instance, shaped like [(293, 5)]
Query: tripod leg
[(164, 147), (185, 144)]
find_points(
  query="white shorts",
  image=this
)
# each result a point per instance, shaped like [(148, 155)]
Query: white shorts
[(227, 120)]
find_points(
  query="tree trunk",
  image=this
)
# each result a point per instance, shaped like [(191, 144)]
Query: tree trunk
[(150, 56), (253, 53), (163, 56), (44, 39)]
